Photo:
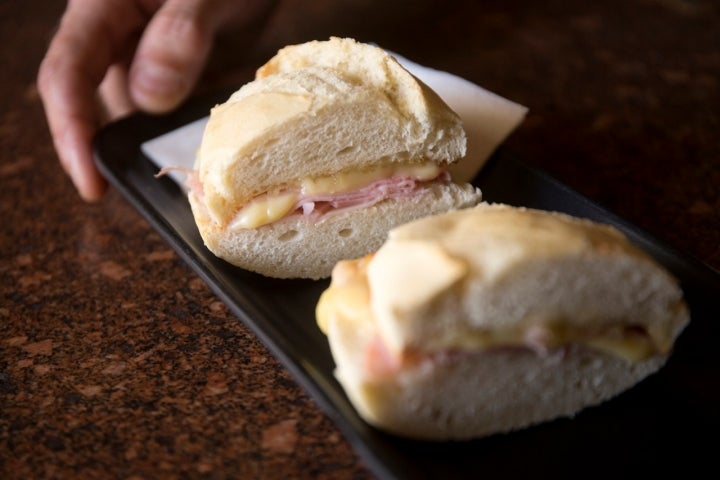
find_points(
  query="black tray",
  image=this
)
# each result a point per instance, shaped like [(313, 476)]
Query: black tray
[(666, 423)]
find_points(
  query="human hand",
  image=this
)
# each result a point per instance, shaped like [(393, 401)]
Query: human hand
[(130, 55)]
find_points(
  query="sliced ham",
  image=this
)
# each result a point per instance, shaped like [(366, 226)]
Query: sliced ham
[(320, 205)]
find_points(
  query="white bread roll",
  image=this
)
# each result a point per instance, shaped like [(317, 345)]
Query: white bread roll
[(495, 318), (331, 110)]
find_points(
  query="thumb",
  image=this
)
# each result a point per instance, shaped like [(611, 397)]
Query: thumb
[(171, 54)]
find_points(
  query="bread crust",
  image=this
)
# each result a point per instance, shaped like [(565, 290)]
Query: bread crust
[(522, 267), (319, 109)]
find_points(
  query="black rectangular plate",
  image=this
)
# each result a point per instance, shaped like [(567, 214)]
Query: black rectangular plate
[(666, 423)]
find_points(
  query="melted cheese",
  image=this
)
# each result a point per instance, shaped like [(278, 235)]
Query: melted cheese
[(264, 210), (347, 181), (270, 207), (630, 346)]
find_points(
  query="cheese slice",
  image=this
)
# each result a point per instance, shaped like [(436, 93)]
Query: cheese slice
[(348, 181), (271, 207), (264, 210)]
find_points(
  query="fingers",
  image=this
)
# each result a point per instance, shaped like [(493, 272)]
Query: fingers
[(91, 54), (89, 38), (171, 54), (114, 95), (176, 45), (71, 119)]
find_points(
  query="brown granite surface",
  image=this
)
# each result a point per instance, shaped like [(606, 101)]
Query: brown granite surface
[(116, 361)]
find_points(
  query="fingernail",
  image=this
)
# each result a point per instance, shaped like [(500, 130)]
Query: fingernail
[(158, 79)]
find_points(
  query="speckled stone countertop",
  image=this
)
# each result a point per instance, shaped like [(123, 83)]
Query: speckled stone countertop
[(116, 361)]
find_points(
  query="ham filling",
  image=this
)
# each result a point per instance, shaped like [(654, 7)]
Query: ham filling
[(320, 206)]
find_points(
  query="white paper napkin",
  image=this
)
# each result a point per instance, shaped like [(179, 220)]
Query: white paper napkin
[(488, 119)]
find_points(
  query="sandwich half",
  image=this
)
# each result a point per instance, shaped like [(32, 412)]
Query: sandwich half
[(496, 318), (333, 144)]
